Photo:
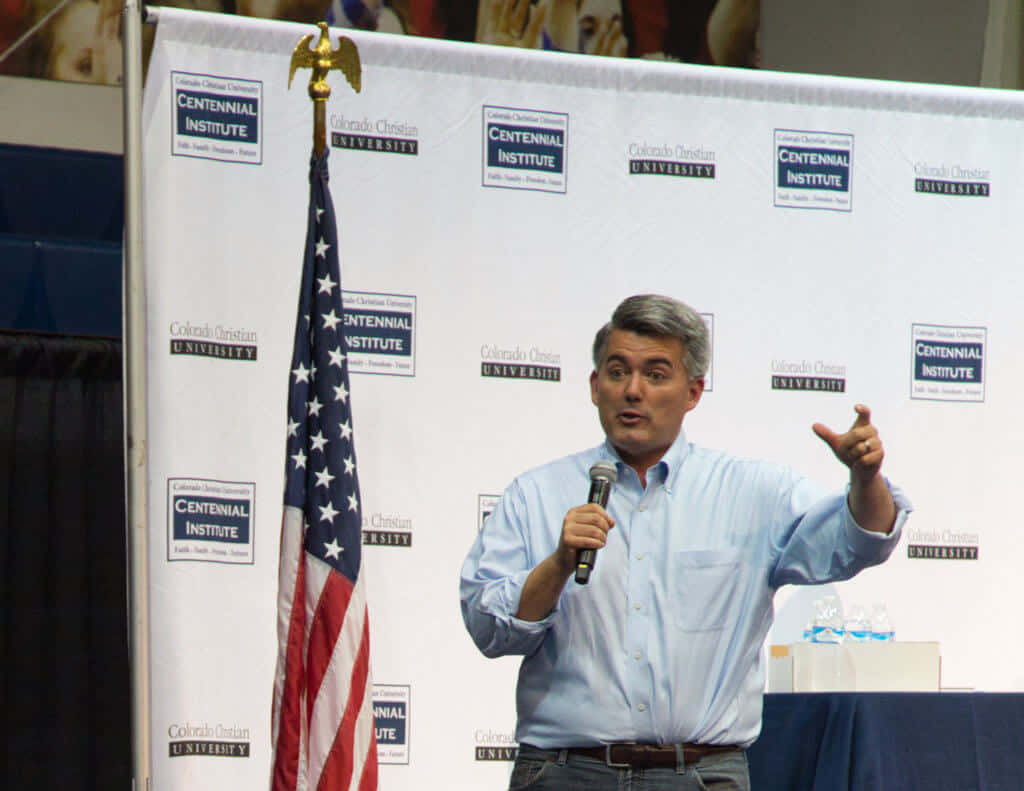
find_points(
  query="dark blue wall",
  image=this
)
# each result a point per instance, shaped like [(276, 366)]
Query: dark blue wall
[(61, 219)]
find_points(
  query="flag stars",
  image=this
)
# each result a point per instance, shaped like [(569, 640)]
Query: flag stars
[(330, 320), (318, 441), (337, 358), (340, 393), (346, 430), (301, 373), (293, 428), (321, 248), (332, 549), (314, 406), (326, 284), (350, 465), (327, 512), (324, 478), (353, 502), (299, 459)]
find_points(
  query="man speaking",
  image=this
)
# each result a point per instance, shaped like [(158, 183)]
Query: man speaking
[(651, 675)]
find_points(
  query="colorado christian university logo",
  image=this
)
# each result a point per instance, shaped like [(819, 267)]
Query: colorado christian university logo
[(947, 545), (494, 746), (517, 362), (203, 739), (387, 530), (379, 135), (819, 376), (952, 180), (218, 341), (691, 162)]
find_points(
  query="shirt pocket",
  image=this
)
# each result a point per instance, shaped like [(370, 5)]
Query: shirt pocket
[(702, 587)]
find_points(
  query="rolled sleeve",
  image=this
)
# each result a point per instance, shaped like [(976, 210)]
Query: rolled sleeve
[(491, 584), (823, 542)]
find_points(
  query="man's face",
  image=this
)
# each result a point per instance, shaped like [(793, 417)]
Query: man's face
[(642, 392)]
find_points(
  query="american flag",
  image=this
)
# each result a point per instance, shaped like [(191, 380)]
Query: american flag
[(322, 731)]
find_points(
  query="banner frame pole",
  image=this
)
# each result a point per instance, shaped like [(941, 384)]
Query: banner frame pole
[(135, 406)]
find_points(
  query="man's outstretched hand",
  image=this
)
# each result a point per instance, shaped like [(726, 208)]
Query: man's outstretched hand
[(861, 450)]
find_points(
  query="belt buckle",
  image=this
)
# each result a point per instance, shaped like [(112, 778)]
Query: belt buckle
[(608, 757)]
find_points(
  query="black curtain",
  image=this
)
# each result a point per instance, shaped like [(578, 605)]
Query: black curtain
[(63, 624)]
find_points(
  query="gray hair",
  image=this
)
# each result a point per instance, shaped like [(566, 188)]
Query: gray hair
[(652, 314)]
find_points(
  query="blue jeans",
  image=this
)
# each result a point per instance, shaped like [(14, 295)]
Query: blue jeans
[(559, 770)]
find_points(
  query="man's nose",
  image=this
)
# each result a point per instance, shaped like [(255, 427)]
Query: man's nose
[(634, 387)]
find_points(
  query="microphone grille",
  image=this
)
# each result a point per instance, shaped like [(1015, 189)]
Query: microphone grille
[(604, 471)]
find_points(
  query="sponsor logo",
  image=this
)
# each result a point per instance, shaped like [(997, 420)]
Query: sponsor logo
[(210, 520), (647, 159), (518, 363), (216, 118), (813, 170), (218, 341), (485, 503), (948, 363), (391, 722), (525, 149), (818, 376), (947, 545), (380, 331), (381, 135), (493, 746), (954, 180), (216, 741), (387, 530)]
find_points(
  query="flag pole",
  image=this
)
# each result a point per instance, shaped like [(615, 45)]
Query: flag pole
[(135, 408)]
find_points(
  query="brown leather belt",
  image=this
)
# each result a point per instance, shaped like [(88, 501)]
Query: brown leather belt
[(649, 756)]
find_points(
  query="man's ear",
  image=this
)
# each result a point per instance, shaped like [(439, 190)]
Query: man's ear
[(593, 387), (696, 390)]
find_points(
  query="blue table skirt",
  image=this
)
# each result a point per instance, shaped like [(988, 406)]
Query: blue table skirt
[(890, 742)]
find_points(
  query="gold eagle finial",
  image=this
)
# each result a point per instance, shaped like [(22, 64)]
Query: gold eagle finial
[(321, 59)]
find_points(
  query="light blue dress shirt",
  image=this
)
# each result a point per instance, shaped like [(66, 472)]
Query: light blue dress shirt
[(664, 645)]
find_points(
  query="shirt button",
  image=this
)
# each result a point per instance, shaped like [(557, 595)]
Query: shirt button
[(642, 508), (640, 556), (637, 606), (636, 655), (641, 707)]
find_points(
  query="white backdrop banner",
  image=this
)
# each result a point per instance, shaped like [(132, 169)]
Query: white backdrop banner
[(847, 241)]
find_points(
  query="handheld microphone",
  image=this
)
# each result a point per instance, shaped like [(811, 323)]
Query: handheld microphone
[(602, 475)]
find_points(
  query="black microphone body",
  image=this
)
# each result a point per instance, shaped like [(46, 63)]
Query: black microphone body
[(602, 475)]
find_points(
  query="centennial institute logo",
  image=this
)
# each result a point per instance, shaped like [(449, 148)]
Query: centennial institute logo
[(210, 521), (813, 170), (524, 149), (216, 118), (948, 363)]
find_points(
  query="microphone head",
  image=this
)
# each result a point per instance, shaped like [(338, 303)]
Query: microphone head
[(604, 471)]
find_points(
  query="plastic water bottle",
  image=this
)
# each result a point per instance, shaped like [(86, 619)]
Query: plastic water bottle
[(881, 625), (858, 625), (808, 635), (828, 622)]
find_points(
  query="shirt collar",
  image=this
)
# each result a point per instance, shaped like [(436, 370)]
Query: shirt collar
[(667, 469)]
